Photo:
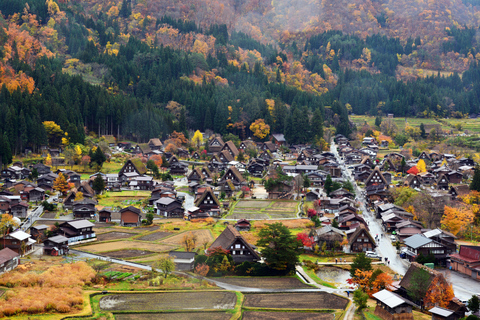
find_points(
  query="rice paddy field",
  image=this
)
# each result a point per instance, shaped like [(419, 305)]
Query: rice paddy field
[(264, 209)]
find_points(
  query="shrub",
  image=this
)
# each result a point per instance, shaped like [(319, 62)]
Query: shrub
[(63, 308), (9, 311)]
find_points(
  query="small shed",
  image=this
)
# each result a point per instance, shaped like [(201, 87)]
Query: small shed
[(184, 261), (9, 260), (391, 306), (439, 313)]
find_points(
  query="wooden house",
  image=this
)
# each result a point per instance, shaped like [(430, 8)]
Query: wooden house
[(195, 155), (105, 215), (419, 244), (9, 260), (412, 181), (19, 210), (312, 195), (376, 178), (207, 202), (255, 168), (133, 167), (424, 156), (459, 191), (367, 161), (184, 261), (84, 209), (169, 207), (18, 241), (329, 235), (361, 240), (178, 168), (56, 246), (247, 144), (234, 176), (407, 229), (76, 231), (454, 177), (391, 306), (278, 139), (442, 183), (41, 169), (155, 144), (130, 217), (439, 313), (270, 146), (196, 175), (38, 231), (230, 239), (243, 225), (231, 148), (225, 156), (215, 144)]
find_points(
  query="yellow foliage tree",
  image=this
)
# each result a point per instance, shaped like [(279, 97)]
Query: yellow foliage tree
[(440, 293), (48, 160), (421, 166), (197, 138), (54, 132), (60, 184), (457, 219), (260, 129)]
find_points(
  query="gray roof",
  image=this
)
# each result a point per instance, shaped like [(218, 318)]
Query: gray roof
[(79, 224), (165, 201), (441, 311), (389, 298), (182, 255), (7, 254), (416, 241), (58, 239)]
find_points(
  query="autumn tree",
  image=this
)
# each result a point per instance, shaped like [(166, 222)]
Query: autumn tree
[(85, 161), (260, 129), (157, 159), (60, 184), (439, 293), (202, 269), (78, 196), (165, 265), (421, 166), (305, 239), (189, 241), (7, 224), (54, 132), (197, 138), (457, 219)]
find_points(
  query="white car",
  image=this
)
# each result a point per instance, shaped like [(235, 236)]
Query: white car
[(393, 238), (372, 255)]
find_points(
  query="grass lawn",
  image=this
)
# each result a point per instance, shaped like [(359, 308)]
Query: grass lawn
[(123, 198), (399, 121)]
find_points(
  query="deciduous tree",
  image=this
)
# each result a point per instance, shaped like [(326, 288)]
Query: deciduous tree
[(421, 166), (260, 129), (197, 138), (60, 184), (457, 219), (305, 239), (439, 293), (165, 266)]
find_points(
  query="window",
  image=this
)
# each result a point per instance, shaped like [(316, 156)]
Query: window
[(359, 240), (233, 252), (237, 246)]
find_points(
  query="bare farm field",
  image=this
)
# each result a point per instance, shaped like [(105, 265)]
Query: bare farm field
[(207, 300), (49, 215), (128, 253), (248, 216), (126, 245), (285, 204), (175, 316), (154, 236), (203, 236), (313, 300), (114, 235), (265, 282), (251, 315), (252, 204)]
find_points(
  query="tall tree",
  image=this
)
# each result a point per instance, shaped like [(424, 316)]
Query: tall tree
[(361, 262), (280, 247), (60, 184), (475, 184), (328, 186), (98, 184)]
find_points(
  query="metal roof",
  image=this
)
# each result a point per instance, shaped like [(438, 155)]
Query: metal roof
[(441, 311), (416, 241), (165, 201), (432, 233), (58, 239), (389, 298), (20, 235), (78, 224)]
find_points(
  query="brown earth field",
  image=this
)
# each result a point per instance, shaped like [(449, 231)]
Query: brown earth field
[(114, 235), (126, 245), (174, 316), (294, 300), (249, 216), (265, 282), (155, 236), (203, 236), (251, 315), (252, 204), (284, 204), (49, 215), (169, 301), (127, 253)]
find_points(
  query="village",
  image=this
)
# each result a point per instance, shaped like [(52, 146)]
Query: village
[(202, 214)]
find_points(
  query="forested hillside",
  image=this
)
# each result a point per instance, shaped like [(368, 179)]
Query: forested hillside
[(143, 68)]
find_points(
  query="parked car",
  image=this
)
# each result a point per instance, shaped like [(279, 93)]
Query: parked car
[(393, 238), (372, 255)]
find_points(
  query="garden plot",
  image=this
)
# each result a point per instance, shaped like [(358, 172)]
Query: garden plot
[(202, 235), (155, 236), (312, 300), (248, 216), (252, 204), (282, 216), (126, 245), (285, 204), (265, 282), (175, 316), (114, 235), (49, 215), (206, 300), (125, 254), (247, 315)]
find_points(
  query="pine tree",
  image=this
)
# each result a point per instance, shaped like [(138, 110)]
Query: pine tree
[(475, 184), (423, 134), (98, 184), (328, 185)]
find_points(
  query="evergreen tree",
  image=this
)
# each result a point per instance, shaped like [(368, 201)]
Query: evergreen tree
[(328, 185), (378, 121), (475, 184), (317, 124), (361, 262), (126, 9), (98, 184), (423, 134)]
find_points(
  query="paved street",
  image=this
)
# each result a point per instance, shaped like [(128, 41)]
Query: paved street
[(463, 286)]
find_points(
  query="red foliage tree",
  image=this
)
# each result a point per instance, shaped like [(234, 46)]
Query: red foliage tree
[(311, 213), (305, 239)]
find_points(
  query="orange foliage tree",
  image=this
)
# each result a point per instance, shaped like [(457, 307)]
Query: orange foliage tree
[(60, 184), (440, 293), (457, 219), (157, 159)]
